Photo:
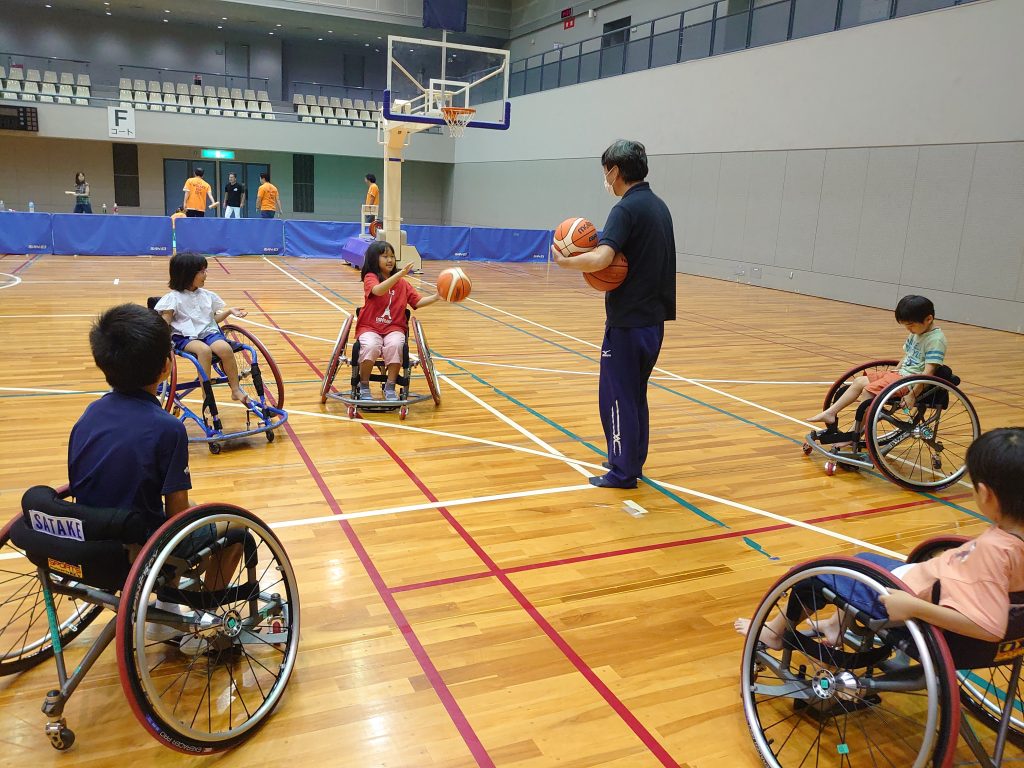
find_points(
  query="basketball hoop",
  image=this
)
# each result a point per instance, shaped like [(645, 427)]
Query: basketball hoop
[(457, 119)]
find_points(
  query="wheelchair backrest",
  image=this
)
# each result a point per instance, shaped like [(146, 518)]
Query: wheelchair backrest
[(85, 544)]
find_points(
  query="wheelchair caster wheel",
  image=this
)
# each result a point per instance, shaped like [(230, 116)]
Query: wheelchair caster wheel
[(214, 448), (271, 436), (807, 449), (352, 411), (403, 412), (61, 737), (830, 468)]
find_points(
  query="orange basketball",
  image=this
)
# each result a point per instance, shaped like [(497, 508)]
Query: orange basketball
[(609, 278), (575, 236), (453, 284)]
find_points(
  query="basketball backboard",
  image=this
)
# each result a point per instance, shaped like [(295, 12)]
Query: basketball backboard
[(425, 76)]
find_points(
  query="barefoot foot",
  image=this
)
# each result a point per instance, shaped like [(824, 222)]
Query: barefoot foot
[(825, 417), (768, 636)]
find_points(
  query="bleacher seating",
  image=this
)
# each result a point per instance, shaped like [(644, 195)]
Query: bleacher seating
[(166, 95)]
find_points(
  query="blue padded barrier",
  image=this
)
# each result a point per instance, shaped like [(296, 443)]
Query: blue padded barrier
[(486, 244), (25, 232), (99, 235), (439, 243), (231, 237), (317, 239)]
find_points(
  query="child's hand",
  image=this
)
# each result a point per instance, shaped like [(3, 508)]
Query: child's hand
[(908, 400), (406, 269), (899, 605), (238, 312)]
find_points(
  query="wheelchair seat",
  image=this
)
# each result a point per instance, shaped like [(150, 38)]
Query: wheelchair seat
[(87, 544)]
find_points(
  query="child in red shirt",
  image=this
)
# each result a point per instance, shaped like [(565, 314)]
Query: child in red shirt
[(382, 325)]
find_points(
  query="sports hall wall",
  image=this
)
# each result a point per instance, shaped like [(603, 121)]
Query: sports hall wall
[(40, 169), (858, 165)]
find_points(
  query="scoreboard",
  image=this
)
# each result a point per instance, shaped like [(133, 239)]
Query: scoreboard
[(19, 119)]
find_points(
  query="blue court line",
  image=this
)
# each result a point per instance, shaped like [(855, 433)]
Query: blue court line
[(326, 288), (656, 486), (723, 411)]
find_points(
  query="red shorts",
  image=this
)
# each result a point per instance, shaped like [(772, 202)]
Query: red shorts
[(882, 379)]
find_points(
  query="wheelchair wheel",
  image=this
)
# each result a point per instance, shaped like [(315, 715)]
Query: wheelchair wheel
[(261, 372), (925, 449), (165, 389), (426, 363), (331, 371), (24, 630), (866, 697), (213, 687)]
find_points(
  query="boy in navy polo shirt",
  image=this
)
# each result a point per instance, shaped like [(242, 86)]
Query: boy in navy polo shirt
[(126, 451), (640, 228)]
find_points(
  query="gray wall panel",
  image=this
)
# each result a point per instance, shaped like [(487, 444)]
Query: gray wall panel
[(801, 196), (699, 230), (992, 248), (842, 198), (937, 215), (674, 189), (731, 210), (888, 191), (764, 206)]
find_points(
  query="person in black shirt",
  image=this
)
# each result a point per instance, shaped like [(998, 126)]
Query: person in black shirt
[(640, 228), (234, 198)]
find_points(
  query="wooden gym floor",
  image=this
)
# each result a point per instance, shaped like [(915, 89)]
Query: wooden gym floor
[(475, 602)]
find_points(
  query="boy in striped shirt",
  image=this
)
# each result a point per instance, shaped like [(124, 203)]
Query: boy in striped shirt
[(923, 352)]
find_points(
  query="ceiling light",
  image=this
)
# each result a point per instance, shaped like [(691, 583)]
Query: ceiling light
[(165, 21), (223, 18), (320, 39), (109, 13), (271, 33), (279, 25), (220, 26), (330, 31), (366, 44), (166, 11)]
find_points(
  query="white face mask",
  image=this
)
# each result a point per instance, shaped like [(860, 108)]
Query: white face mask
[(607, 185)]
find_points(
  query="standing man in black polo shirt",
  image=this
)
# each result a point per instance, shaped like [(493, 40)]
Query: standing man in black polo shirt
[(640, 228), (234, 198)]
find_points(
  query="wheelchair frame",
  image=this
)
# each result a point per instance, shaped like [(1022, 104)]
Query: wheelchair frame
[(846, 683), (406, 398), (153, 572), (879, 429), (269, 415)]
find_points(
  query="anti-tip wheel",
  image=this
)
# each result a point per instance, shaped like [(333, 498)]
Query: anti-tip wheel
[(271, 436), (807, 449), (830, 468), (214, 448), (403, 412), (351, 410)]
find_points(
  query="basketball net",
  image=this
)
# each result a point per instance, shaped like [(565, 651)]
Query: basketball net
[(457, 119)]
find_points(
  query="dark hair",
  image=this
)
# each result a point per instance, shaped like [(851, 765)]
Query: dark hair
[(265, 176), (199, 172), (997, 460), (914, 309), (630, 157), (184, 268), (371, 178), (82, 174), (371, 262), (130, 344), (232, 173)]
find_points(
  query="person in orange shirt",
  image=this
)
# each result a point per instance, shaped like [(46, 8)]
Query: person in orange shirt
[(197, 191), (372, 190), (268, 199)]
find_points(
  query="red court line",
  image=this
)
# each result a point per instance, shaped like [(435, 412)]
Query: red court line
[(431, 672), (662, 545), (217, 259), (599, 685), (24, 264)]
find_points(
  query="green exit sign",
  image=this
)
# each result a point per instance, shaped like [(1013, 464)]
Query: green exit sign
[(219, 154)]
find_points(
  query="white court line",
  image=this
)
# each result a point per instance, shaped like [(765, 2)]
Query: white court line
[(653, 378), (16, 279), (511, 422), (670, 374), (283, 331), (48, 391), (117, 280), (428, 505), (309, 288)]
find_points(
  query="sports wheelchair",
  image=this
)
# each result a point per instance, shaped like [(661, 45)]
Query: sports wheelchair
[(405, 396), (922, 449), (879, 692), (265, 396), (224, 653)]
